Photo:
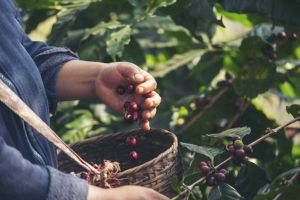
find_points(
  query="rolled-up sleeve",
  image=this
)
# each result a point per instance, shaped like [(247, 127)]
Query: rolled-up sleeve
[(20, 179), (49, 60)]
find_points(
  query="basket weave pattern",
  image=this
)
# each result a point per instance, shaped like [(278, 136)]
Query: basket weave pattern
[(158, 159)]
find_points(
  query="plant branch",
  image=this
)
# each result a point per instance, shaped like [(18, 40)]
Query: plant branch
[(233, 120), (269, 133), (288, 183), (199, 114)]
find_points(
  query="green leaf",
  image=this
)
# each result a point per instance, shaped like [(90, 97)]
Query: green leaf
[(294, 110), (255, 77), (209, 152), (242, 132), (251, 47), (150, 6), (117, 41), (224, 192), (177, 61), (283, 11), (279, 185), (250, 179)]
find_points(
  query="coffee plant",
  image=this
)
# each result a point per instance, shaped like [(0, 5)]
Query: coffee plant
[(228, 72)]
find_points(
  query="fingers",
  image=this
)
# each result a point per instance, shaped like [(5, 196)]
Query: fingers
[(151, 102), (149, 84), (130, 72), (148, 114), (145, 125)]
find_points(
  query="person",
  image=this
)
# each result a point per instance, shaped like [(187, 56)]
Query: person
[(41, 75)]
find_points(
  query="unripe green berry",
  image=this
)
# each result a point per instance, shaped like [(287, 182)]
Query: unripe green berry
[(238, 144)]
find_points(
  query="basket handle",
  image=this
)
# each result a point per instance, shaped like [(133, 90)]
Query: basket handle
[(12, 101)]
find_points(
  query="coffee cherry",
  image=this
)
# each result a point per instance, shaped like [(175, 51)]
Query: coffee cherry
[(204, 170), (84, 175), (248, 149), (224, 83), (133, 106), (128, 117), (236, 137), (282, 35), (133, 155), (236, 161), (239, 153), (130, 140), (202, 164), (238, 144), (230, 149), (293, 36), (224, 171), (121, 90), (245, 159), (220, 176), (127, 106), (130, 89), (135, 116), (210, 180)]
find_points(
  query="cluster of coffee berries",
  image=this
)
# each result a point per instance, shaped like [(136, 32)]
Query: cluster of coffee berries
[(212, 176), (227, 82), (128, 89), (132, 111), (131, 141), (239, 151), (284, 35)]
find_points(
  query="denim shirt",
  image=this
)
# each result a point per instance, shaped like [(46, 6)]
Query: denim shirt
[(28, 161)]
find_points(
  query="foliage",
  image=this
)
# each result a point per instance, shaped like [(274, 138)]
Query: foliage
[(188, 45)]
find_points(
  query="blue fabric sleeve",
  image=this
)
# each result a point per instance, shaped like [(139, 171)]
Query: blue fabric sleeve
[(20, 179), (49, 60)]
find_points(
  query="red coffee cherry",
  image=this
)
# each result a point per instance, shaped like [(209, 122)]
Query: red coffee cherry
[(220, 176), (130, 140), (230, 149), (130, 89), (134, 155), (133, 106), (248, 149), (239, 153), (204, 170), (282, 35), (210, 180), (234, 138), (135, 116)]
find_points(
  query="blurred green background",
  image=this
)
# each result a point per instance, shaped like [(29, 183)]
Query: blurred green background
[(188, 45)]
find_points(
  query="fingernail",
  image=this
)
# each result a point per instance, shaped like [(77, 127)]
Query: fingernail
[(139, 77)]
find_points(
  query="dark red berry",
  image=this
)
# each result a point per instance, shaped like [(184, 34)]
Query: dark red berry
[(230, 149), (121, 90), (282, 35), (130, 140), (133, 106), (224, 171), (202, 164), (210, 180), (135, 116), (248, 149), (245, 159), (133, 155), (127, 105), (236, 161), (293, 36), (204, 170), (149, 94), (220, 176), (130, 89), (239, 153), (128, 117), (224, 83), (234, 138), (84, 175)]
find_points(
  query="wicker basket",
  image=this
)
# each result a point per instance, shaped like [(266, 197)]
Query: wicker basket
[(158, 159)]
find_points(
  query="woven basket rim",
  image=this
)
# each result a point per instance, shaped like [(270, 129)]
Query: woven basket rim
[(153, 161)]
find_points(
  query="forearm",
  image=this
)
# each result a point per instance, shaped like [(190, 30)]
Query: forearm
[(76, 80)]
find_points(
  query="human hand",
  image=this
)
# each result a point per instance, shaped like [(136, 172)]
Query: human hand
[(117, 74), (124, 193)]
